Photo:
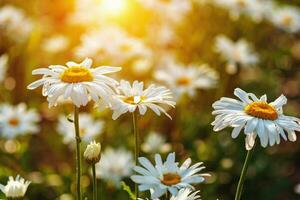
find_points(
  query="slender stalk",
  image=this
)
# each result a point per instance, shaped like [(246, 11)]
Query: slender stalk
[(78, 153), (137, 147), (167, 195), (239, 189), (94, 182)]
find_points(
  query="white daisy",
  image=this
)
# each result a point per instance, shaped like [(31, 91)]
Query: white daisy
[(235, 53), (256, 9), (112, 44), (257, 117), (130, 98), (10, 20), (155, 143), (15, 188), (77, 82), (186, 80), (89, 128), (115, 165), (286, 18), (55, 44), (18, 120), (186, 194), (167, 176), (3, 66)]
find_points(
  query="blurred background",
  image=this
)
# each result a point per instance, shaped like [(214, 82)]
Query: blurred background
[(254, 45)]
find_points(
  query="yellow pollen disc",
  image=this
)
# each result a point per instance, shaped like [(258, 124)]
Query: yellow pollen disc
[(171, 179), (134, 99), (76, 75), (261, 110), (287, 20), (14, 122), (183, 81)]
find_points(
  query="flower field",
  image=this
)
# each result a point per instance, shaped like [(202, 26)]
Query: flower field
[(149, 99)]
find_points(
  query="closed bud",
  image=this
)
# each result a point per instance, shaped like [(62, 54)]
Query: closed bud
[(92, 153)]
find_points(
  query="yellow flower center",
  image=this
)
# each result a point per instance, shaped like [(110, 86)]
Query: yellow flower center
[(76, 75), (14, 122), (134, 99), (183, 81), (287, 20), (261, 110), (171, 179)]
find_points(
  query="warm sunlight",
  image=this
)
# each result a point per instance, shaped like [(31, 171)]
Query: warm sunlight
[(113, 7)]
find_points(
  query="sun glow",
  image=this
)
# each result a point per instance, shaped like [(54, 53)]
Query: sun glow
[(113, 7)]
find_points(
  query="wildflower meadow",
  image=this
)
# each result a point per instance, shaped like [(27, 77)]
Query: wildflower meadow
[(149, 99)]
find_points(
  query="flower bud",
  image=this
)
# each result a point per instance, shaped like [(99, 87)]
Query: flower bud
[(92, 153)]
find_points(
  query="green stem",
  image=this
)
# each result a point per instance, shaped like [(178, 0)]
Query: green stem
[(94, 182), (137, 147), (167, 195), (239, 189), (78, 153)]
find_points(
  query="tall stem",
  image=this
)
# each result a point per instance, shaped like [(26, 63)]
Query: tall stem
[(239, 189), (78, 153), (137, 147), (167, 195), (94, 182)]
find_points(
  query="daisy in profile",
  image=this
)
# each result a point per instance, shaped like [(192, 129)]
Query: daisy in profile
[(17, 120), (115, 165), (78, 82), (167, 176), (155, 143), (235, 53), (186, 80), (89, 128), (15, 189), (135, 97), (257, 117), (3, 66), (186, 194), (286, 18)]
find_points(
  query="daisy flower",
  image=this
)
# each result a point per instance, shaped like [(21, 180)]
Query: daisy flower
[(3, 66), (115, 165), (235, 53), (55, 44), (10, 20), (167, 176), (78, 82), (186, 194), (257, 117), (17, 120), (130, 98), (15, 188), (89, 128), (112, 44), (256, 9), (155, 143), (186, 80), (287, 18)]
